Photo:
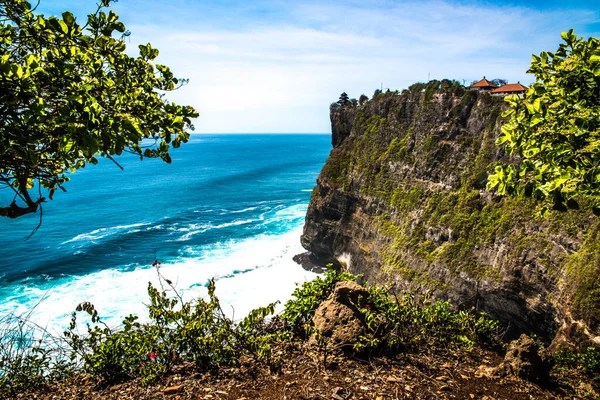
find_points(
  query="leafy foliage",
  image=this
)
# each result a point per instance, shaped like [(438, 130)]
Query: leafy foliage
[(555, 129), (407, 323), (588, 360), (71, 93), (178, 332)]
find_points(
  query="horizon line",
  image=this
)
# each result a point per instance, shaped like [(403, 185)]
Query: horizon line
[(260, 133)]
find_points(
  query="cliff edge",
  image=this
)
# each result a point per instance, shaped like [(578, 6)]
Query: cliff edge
[(402, 200)]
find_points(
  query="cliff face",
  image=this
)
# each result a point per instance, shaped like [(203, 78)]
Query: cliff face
[(402, 200)]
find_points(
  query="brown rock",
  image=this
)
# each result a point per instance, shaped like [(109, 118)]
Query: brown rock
[(524, 359), (338, 319)]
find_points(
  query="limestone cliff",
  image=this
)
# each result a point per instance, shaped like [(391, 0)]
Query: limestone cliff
[(402, 200)]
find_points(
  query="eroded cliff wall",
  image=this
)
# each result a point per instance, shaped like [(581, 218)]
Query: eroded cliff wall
[(402, 200)]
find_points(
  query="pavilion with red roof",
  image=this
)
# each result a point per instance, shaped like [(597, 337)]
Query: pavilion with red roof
[(483, 85), (511, 88)]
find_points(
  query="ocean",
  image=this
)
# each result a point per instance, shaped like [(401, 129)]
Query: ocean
[(229, 207)]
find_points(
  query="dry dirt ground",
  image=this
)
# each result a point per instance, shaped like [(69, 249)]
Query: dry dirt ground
[(304, 374)]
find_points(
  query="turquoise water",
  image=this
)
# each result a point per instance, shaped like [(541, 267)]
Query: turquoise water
[(229, 206)]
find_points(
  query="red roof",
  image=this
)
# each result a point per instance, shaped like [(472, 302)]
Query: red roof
[(510, 88), (483, 83)]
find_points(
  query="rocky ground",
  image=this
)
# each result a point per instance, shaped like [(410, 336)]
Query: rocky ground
[(305, 374)]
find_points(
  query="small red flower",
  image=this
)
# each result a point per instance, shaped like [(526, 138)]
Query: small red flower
[(368, 306), (152, 355)]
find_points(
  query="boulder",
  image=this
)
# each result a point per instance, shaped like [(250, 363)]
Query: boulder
[(524, 359), (338, 320)]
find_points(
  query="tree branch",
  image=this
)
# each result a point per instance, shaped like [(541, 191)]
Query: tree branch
[(15, 211)]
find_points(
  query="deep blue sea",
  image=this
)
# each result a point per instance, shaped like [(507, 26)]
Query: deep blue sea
[(230, 207)]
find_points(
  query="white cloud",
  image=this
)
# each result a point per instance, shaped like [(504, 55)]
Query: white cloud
[(281, 76)]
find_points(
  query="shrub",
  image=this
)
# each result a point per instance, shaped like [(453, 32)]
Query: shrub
[(394, 323), (29, 355), (587, 360), (178, 332), (407, 323)]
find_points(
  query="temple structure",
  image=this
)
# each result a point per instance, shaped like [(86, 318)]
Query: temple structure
[(483, 85), (511, 88), (486, 86)]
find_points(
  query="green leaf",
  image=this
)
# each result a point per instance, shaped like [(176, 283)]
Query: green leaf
[(537, 105), (63, 27), (531, 152), (68, 18), (530, 107), (535, 120), (119, 27), (68, 145), (502, 139)]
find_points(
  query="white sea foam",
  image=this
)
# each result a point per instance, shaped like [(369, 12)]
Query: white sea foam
[(249, 273), (101, 233), (196, 229), (286, 214), (243, 211), (298, 210)]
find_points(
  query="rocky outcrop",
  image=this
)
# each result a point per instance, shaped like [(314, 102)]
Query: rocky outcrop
[(338, 320), (341, 122), (525, 359), (402, 200)]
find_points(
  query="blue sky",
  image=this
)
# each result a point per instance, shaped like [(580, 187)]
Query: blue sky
[(275, 66)]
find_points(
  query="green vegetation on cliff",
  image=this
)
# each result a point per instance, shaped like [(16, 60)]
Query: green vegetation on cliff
[(412, 171), (584, 278)]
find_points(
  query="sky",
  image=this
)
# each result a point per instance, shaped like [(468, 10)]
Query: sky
[(258, 66)]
